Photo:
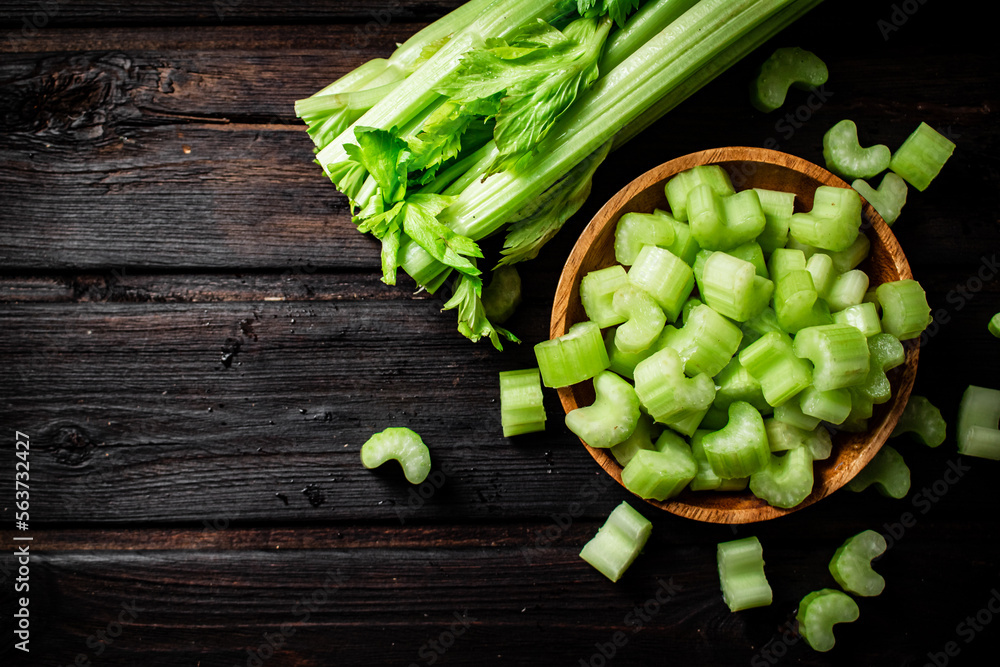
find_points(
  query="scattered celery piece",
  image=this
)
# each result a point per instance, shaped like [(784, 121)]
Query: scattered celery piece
[(820, 611), (664, 276), (786, 67), (577, 355), (780, 372), (706, 343), (778, 208), (521, 402), (740, 448), (611, 418), (905, 313), (403, 445), (732, 287), (887, 471), (617, 542), (644, 319), (994, 325), (786, 480), (846, 158), (666, 393), (920, 159), (741, 574), (862, 316), (662, 473), (722, 222), (597, 291), (679, 187), (832, 405), (851, 564), (645, 433), (885, 352), (921, 418), (503, 295), (635, 230), (833, 222), (838, 352), (979, 423), (890, 197)]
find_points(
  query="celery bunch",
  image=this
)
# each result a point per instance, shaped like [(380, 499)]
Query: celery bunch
[(497, 116)]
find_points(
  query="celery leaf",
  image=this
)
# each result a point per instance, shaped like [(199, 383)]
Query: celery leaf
[(472, 320)]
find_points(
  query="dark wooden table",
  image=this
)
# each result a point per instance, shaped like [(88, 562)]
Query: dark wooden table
[(195, 339)]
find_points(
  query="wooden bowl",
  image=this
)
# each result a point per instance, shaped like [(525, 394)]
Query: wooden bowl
[(748, 167)]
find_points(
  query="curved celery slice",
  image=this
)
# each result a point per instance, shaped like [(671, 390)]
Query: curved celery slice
[(734, 383), (732, 287), (848, 289), (797, 304), (644, 319), (667, 394), (845, 260), (819, 442), (503, 295), (741, 574), (921, 418), (885, 352), (862, 316), (611, 418), (839, 353), (521, 402), (851, 565), (643, 437), (577, 355), (785, 260), (781, 374), (661, 473), (664, 276), (820, 611), (635, 230), (722, 222), (680, 186), (753, 253), (597, 291), (617, 542), (833, 405), (786, 480), (740, 448), (979, 423), (706, 479), (888, 199), (684, 246), (782, 436), (778, 208), (887, 471), (905, 313), (706, 343), (846, 158), (403, 445), (791, 414), (994, 325), (624, 363), (820, 267), (786, 67), (920, 159), (833, 222)]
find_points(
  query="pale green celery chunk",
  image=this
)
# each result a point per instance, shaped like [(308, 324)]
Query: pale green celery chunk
[(724, 222), (644, 319), (848, 259), (706, 342), (635, 230), (732, 287), (848, 289), (782, 436), (833, 406), (819, 443), (781, 374), (820, 267), (920, 159), (624, 363), (846, 158), (577, 355), (762, 323), (680, 186), (778, 208), (887, 471), (785, 260), (790, 413), (706, 479), (838, 352), (664, 276), (521, 402), (832, 223), (921, 418), (618, 542), (979, 423), (885, 352), (645, 433), (786, 480), (734, 383), (740, 448), (597, 291), (862, 316), (741, 574), (819, 612), (613, 416), (889, 199), (851, 564), (905, 313), (403, 445), (666, 393), (663, 473), (684, 246)]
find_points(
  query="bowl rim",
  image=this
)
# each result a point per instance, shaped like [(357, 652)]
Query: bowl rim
[(606, 215)]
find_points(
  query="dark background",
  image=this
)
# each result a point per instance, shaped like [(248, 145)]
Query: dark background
[(197, 343)]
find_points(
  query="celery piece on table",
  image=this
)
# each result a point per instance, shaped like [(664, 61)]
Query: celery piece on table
[(741, 574), (724, 222), (846, 158), (819, 611), (994, 325), (890, 197), (979, 423), (786, 67), (851, 564), (920, 159), (905, 313), (732, 287), (667, 394), (706, 343), (885, 352), (611, 418), (832, 223), (635, 230), (740, 448), (780, 372), (838, 352), (617, 542), (661, 473), (922, 419), (664, 276), (597, 291), (887, 471), (644, 319), (643, 437), (521, 402), (786, 480), (403, 445), (577, 355), (680, 186)]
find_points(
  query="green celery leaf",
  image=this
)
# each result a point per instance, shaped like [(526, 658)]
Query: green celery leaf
[(385, 157), (472, 320), (419, 222), (348, 176), (618, 10)]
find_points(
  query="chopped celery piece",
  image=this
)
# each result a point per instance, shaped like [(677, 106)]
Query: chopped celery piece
[(577, 355), (885, 352), (833, 222), (684, 245), (797, 304), (401, 444), (521, 402), (862, 316), (833, 405), (753, 253), (635, 230), (786, 67), (994, 325), (741, 574), (979, 423), (646, 431), (706, 479), (851, 564), (778, 208), (848, 289), (820, 267), (597, 291), (820, 443), (845, 260), (689, 305), (820, 611), (613, 415), (890, 197), (706, 342), (722, 222), (617, 542), (782, 436), (921, 418), (664, 276), (503, 295), (740, 448), (781, 374), (861, 412), (791, 414), (905, 313), (667, 394), (680, 186), (734, 383), (920, 159), (732, 287), (624, 363), (764, 322), (644, 319), (662, 473), (786, 480), (887, 471), (785, 260), (846, 158), (838, 352)]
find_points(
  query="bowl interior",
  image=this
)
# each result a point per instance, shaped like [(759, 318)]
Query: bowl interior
[(748, 168)]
